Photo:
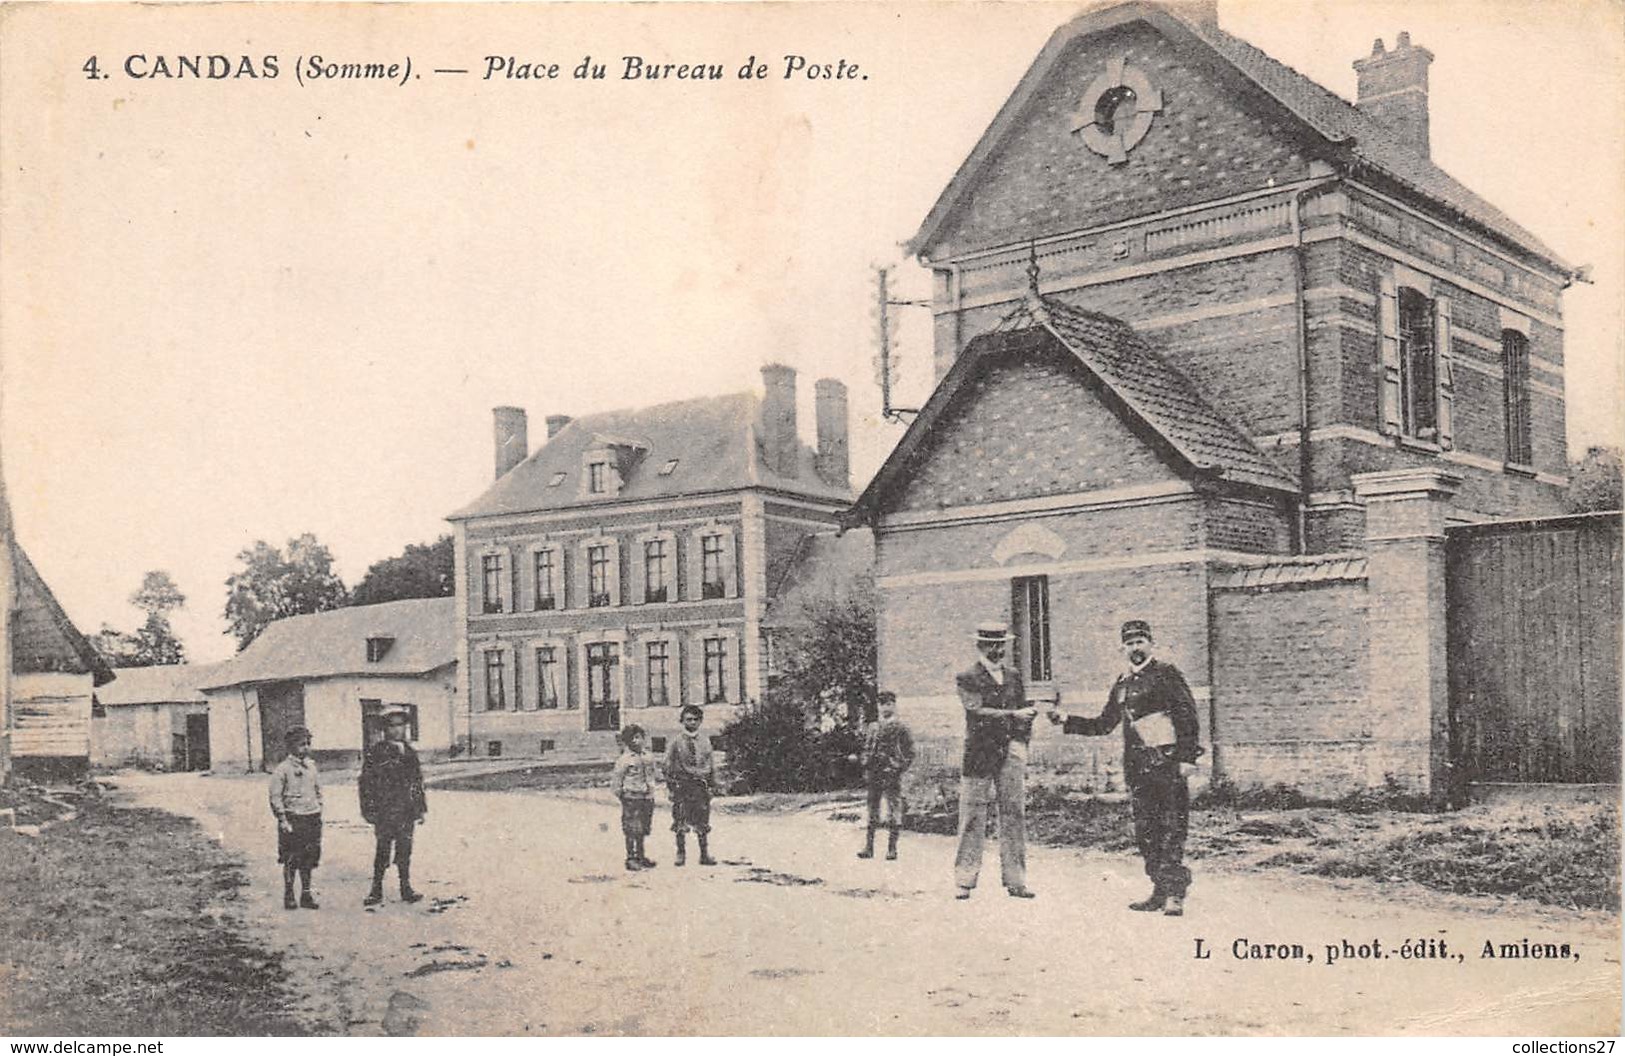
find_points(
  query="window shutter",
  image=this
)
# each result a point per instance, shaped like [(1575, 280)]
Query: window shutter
[(527, 582), (510, 580), (517, 652), (1388, 355), (692, 565), (583, 575), (1447, 378), (613, 580), (730, 565), (639, 569), (684, 694)]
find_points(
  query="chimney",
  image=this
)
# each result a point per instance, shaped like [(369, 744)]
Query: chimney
[(1202, 13), (779, 439), (555, 422), (833, 463), (512, 440), (1393, 89)]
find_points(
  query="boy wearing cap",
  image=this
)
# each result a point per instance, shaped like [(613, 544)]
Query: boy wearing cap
[(888, 751), (690, 776), (633, 783), (392, 801), (1160, 730), (296, 801), (998, 725)]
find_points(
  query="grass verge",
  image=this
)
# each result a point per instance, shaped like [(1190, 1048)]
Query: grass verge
[(118, 923)]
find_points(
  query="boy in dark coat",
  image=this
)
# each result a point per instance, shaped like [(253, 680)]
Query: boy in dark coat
[(888, 751), (392, 802)]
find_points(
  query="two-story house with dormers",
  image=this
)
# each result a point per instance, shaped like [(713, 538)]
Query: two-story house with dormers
[(1194, 315), (623, 569)]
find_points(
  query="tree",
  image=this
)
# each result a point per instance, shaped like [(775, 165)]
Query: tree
[(154, 642), (420, 572), (1594, 481), (275, 583)]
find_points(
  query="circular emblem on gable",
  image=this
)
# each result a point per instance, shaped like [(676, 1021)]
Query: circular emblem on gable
[(1116, 110)]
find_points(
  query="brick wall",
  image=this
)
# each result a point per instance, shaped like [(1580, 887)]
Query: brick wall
[(1249, 526), (1203, 145), (1289, 688)]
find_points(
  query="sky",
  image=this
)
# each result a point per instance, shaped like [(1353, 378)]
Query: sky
[(247, 309)]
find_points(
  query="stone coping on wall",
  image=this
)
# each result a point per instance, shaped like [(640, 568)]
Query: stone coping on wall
[(1291, 571)]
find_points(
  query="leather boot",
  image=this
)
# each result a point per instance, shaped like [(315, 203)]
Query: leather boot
[(407, 894), (891, 844), (705, 852), (868, 844), (376, 895), (1175, 907), (682, 851), (1151, 903)]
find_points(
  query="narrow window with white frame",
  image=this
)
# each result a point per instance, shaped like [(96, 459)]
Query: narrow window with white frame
[(598, 576), (716, 670), (549, 677), (658, 655), (547, 579), (656, 571), (491, 583)]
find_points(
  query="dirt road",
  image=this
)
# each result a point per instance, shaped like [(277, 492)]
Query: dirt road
[(532, 927)]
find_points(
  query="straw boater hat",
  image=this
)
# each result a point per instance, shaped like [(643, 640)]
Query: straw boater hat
[(395, 713), (988, 633)]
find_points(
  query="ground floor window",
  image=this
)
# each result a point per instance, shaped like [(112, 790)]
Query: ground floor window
[(716, 670), (548, 677), (603, 686), (1029, 604), (496, 682), (659, 658)]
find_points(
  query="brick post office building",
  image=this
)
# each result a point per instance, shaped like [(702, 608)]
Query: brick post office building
[(1218, 349), (624, 568)]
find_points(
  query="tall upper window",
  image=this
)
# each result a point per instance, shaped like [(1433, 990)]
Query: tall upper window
[(712, 584), (496, 682), (659, 656), (491, 582), (547, 579), (654, 570), (1030, 604), (598, 477), (1418, 365), (716, 670), (549, 677), (597, 576), (1515, 367)]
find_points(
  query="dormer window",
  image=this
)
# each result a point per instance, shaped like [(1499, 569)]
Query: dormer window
[(597, 478), (557, 479), (378, 648), (669, 468)]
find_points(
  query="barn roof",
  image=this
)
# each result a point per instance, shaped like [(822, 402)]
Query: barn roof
[(42, 636), (160, 684), (422, 633)]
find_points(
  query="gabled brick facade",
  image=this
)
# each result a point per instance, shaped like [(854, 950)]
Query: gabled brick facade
[(1202, 330)]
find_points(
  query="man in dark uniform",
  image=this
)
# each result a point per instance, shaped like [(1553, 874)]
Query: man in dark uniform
[(392, 801), (998, 725), (1159, 738)]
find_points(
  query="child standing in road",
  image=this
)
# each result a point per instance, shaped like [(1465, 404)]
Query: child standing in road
[(296, 801), (888, 751), (690, 777), (634, 785)]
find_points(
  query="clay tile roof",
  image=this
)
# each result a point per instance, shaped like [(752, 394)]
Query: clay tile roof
[(1150, 388), (1315, 568), (712, 438), (1159, 393)]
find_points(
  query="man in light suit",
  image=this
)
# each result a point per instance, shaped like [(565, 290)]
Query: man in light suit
[(998, 725)]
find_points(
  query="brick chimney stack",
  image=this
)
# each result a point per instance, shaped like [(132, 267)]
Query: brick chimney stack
[(833, 461), (555, 422), (779, 438), (1393, 89), (511, 436)]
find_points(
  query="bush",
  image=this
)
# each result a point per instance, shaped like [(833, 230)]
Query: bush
[(771, 748)]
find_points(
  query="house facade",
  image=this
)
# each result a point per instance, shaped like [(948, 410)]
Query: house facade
[(1217, 349), (334, 673), (624, 568)]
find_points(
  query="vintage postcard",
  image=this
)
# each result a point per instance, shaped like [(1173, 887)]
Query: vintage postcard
[(862, 519)]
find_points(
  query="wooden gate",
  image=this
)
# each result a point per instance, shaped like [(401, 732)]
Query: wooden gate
[(1534, 649)]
